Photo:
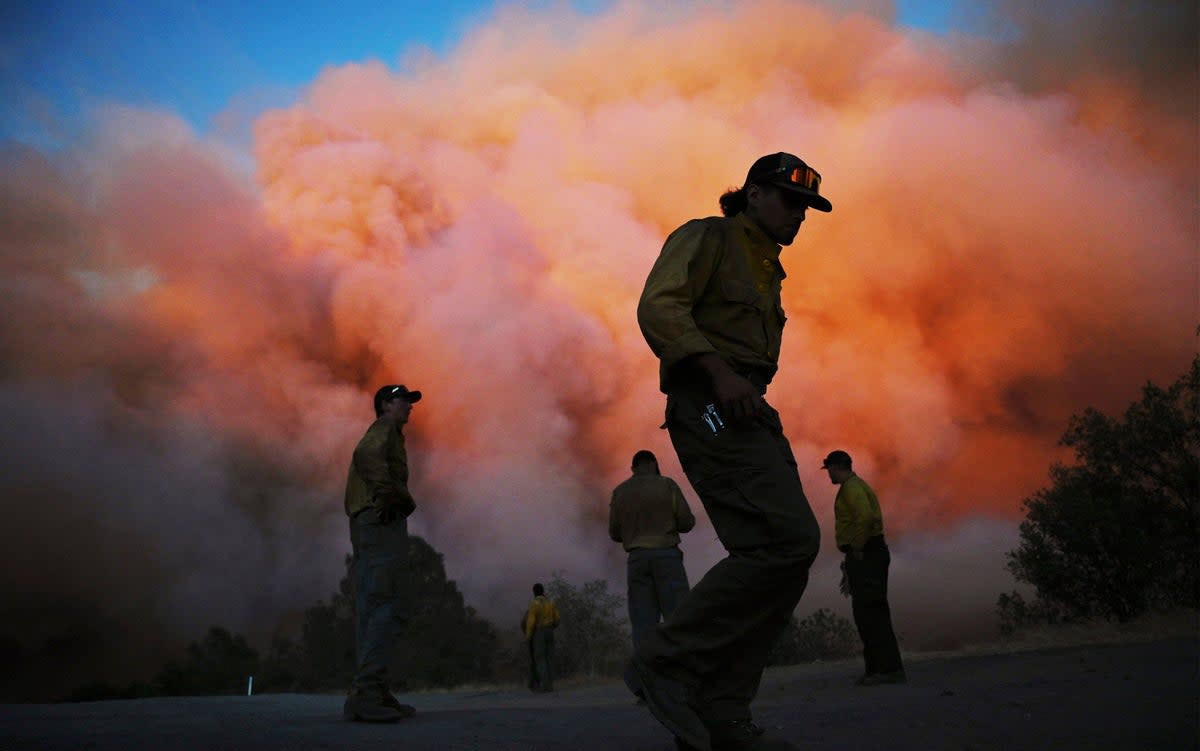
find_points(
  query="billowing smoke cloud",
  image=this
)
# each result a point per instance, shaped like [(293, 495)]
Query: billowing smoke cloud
[(188, 354)]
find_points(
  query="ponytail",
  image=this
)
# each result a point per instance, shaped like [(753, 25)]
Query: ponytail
[(733, 202)]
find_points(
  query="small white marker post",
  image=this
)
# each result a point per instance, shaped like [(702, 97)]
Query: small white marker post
[(250, 686)]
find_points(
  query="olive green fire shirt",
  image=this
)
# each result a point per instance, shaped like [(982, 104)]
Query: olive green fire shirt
[(648, 511), (715, 288), (856, 513), (379, 471), (542, 613)]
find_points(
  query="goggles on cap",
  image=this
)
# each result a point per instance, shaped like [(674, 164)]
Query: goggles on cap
[(805, 177)]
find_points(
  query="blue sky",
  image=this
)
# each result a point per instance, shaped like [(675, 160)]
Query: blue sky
[(59, 59)]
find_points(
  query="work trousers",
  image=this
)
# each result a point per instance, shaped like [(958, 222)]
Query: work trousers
[(534, 683), (655, 583), (868, 599), (543, 656), (379, 568), (717, 639)]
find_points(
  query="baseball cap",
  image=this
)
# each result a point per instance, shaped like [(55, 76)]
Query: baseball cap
[(837, 458), (394, 391), (791, 173)]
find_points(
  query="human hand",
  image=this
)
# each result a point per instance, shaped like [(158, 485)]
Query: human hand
[(387, 513), (844, 584), (737, 398), (396, 506)]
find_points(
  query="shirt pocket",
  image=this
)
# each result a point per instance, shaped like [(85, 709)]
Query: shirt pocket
[(746, 310), (738, 291)]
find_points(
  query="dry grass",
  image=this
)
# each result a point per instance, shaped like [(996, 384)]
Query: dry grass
[(1153, 627)]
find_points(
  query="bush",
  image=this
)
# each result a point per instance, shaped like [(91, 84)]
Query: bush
[(592, 638), (823, 635), (1115, 535), (220, 663), (444, 643)]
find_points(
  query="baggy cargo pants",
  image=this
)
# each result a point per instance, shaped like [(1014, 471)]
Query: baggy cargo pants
[(655, 581), (717, 640), (868, 577), (379, 570), (542, 644)]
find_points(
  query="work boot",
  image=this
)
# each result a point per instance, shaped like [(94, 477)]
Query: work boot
[(667, 701), (371, 707), (404, 709), (744, 735), (879, 679)]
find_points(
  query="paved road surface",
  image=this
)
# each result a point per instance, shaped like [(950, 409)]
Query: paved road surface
[(1126, 697)]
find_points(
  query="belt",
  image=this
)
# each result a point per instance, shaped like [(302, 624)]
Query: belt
[(874, 544), (691, 377), (760, 380)]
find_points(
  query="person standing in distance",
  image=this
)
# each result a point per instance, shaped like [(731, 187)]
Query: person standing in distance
[(541, 618), (858, 524), (378, 503), (711, 312), (647, 514)]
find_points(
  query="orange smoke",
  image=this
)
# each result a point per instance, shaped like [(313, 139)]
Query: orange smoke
[(479, 227), (970, 280)]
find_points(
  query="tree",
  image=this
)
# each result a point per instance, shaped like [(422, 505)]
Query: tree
[(1115, 534), (444, 642), (822, 635), (592, 638), (218, 664)]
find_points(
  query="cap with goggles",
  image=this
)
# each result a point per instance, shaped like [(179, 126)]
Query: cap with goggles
[(789, 172)]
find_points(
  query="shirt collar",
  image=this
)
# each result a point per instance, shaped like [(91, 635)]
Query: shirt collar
[(757, 242)]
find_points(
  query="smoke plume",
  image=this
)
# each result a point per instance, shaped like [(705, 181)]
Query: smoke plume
[(187, 352)]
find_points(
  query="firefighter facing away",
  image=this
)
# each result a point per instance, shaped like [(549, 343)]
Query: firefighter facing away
[(646, 515)]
